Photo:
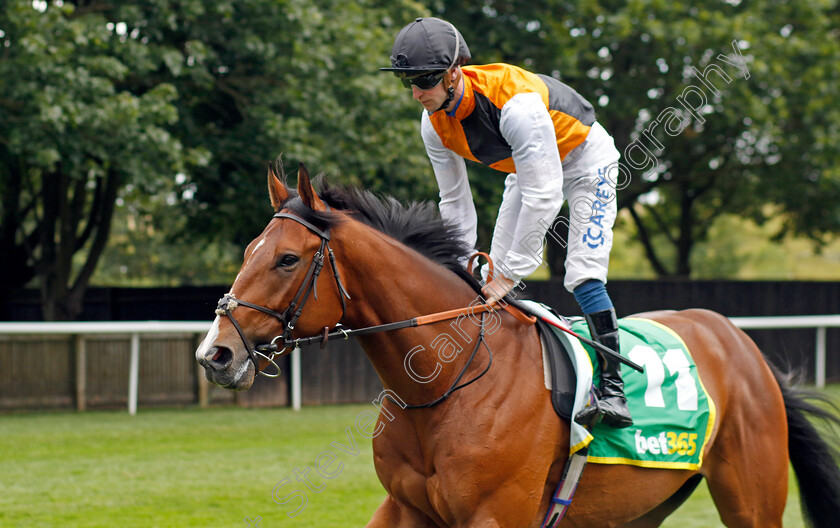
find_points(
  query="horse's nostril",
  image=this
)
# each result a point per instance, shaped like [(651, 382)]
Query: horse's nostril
[(219, 357)]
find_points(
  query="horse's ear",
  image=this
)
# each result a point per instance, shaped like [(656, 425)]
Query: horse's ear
[(276, 189), (307, 192)]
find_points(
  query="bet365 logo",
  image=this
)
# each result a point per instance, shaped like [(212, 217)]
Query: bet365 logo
[(666, 443)]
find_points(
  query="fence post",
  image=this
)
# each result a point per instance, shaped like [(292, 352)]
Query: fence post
[(203, 388), (819, 376), (202, 385), (81, 373), (296, 379), (133, 373)]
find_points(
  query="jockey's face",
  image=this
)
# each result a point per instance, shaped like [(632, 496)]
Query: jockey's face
[(434, 97)]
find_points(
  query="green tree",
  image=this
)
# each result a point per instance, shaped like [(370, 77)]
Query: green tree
[(299, 77), (73, 135), (762, 136), (110, 105), (142, 251)]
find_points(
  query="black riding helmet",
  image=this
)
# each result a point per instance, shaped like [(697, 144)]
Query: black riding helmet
[(427, 45)]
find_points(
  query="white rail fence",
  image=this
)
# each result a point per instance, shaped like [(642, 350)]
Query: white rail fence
[(820, 322), (81, 330)]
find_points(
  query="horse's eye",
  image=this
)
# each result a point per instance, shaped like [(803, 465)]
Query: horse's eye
[(287, 261)]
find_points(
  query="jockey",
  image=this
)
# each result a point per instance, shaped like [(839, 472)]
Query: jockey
[(543, 134)]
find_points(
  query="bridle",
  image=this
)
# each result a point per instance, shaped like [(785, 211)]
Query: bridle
[(288, 317)]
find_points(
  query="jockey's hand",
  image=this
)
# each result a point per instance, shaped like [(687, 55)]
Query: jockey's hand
[(497, 288)]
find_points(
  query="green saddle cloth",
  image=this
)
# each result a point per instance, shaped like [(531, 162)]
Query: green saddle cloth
[(673, 414)]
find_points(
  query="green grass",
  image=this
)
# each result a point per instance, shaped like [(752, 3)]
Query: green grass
[(180, 468), (213, 467)]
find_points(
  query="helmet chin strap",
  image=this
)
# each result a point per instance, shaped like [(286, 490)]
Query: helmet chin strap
[(450, 93)]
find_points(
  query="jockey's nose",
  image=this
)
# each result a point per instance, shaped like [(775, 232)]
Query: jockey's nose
[(217, 358), (415, 92)]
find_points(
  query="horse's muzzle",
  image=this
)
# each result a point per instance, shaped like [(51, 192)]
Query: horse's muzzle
[(219, 368), (216, 358)]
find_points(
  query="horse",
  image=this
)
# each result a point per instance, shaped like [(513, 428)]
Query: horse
[(472, 439)]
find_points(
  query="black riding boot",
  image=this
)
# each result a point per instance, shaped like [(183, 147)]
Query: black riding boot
[(611, 403)]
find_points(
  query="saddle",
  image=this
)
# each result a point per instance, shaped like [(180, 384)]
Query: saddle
[(561, 370)]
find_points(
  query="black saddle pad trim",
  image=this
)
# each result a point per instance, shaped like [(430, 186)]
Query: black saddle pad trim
[(563, 376)]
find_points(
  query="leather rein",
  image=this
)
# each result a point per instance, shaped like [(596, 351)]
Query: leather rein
[(289, 317)]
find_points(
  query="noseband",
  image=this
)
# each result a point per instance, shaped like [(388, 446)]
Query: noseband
[(289, 317)]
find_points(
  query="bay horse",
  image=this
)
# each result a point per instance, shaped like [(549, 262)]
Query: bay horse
[(491, 453)]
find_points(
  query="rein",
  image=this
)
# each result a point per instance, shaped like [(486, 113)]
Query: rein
[(406, 323), (455, 385)]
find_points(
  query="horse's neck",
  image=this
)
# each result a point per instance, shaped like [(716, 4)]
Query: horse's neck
[(389, 283)]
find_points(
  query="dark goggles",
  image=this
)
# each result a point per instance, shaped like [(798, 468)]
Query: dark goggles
[(424, 82)]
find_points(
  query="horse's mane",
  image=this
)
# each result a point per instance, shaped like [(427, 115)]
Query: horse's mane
[(415, 224)]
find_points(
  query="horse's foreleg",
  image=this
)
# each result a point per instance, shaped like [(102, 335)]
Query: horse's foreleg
[(390, 514)]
